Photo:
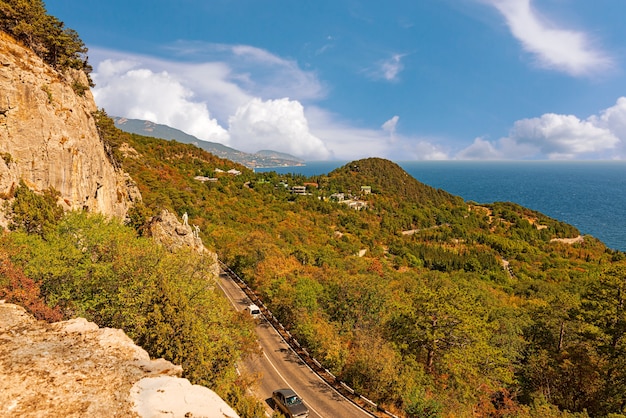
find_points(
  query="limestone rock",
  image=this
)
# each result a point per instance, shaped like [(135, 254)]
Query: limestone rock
[(48, 136), (75, 369), (174, 235)]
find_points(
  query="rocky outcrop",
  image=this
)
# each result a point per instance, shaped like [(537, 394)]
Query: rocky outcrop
[(173, 234), (48, 136), (75, 369)]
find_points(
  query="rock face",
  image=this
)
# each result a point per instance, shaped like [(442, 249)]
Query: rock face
[(75, 369), (48, 135), (173, 235)]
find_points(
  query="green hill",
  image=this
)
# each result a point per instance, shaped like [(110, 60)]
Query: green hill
[(424, 303)]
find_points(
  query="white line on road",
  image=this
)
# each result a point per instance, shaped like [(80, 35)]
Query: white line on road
[(285, 380)]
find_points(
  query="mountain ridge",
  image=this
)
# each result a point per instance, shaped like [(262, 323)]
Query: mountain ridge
[(260, 159)]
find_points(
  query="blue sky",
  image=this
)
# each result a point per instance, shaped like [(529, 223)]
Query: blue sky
[(348, 79)]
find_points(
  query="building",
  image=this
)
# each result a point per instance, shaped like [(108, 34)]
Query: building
[(298, 190)]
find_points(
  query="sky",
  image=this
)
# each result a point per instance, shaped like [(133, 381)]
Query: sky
[(348, 79)]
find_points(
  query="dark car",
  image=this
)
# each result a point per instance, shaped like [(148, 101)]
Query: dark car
[(290, 403)]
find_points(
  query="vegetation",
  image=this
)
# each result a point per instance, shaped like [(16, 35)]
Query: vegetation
[(85, 265), (29, 22), (424, 303), (407, 300)]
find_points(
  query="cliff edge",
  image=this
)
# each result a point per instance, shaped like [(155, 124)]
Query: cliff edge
[(48, 136), (75, 369)]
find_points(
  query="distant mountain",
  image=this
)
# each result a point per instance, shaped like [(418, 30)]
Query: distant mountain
[(265, 158)]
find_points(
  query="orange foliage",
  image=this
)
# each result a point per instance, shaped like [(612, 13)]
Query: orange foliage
[(16, 288)]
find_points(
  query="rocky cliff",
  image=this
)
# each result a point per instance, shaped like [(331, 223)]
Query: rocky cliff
[(48, 137), (75, 369)]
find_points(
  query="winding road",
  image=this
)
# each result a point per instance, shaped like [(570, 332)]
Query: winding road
[(280, 367)]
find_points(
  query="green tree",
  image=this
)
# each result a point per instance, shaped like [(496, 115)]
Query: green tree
[(603, 310), (29, 22), (34, 213)]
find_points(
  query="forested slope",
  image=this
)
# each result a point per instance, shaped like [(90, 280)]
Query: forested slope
[(407, 299)]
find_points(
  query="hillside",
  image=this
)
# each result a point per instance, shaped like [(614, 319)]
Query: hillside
[(263, 158), (426, 304), (65, 253), (417, 299)]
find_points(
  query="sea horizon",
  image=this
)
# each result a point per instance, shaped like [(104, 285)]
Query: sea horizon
[(588, 194)]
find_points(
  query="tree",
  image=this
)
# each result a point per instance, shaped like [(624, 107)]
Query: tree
[(29, 22), (603, 310), (34, 213), (16, 288)]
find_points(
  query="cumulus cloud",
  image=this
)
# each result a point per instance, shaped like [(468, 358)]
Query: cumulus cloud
[(481, 149), (275, 124), (140, 93), (235, 95), (347, 142), (203, 97), (553, 47), (613, 119), (426, 151), (562, 136), (556, 136)]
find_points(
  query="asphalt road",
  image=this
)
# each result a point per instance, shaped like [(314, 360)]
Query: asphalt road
[(279, 367)]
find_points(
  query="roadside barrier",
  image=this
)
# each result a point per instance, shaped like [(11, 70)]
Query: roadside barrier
[(362, 402)]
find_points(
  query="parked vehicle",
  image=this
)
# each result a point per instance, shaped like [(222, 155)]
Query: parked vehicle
[(290, 403)]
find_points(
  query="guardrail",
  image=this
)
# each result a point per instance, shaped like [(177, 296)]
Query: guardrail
[(325, 374)]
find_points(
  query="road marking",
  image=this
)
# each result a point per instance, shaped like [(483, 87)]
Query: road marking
[(288, 384), (350, 402)]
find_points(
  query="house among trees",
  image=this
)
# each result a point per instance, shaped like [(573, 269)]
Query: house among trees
[(366, 189), (204, 179), (298, 190), (357, 204)]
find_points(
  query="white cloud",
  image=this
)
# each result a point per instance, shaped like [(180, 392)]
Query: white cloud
[(556, 136), (277, 125), (234, 100), (388, 69), (614, 119), (390, 126), (346, 142), (562, 136), (392, 67), (427, 151), (159, 97), (480, 149), (195, 96), (555, 48), (256, 71)]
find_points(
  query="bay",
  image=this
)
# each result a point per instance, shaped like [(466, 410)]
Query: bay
[(591, 195)]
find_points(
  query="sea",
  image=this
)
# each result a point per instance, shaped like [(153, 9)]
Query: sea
[(590, 195)]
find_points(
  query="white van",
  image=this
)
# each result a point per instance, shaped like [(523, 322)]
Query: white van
[(254, 311)]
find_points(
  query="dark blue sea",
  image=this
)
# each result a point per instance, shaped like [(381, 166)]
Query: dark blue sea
[(591, 195)]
